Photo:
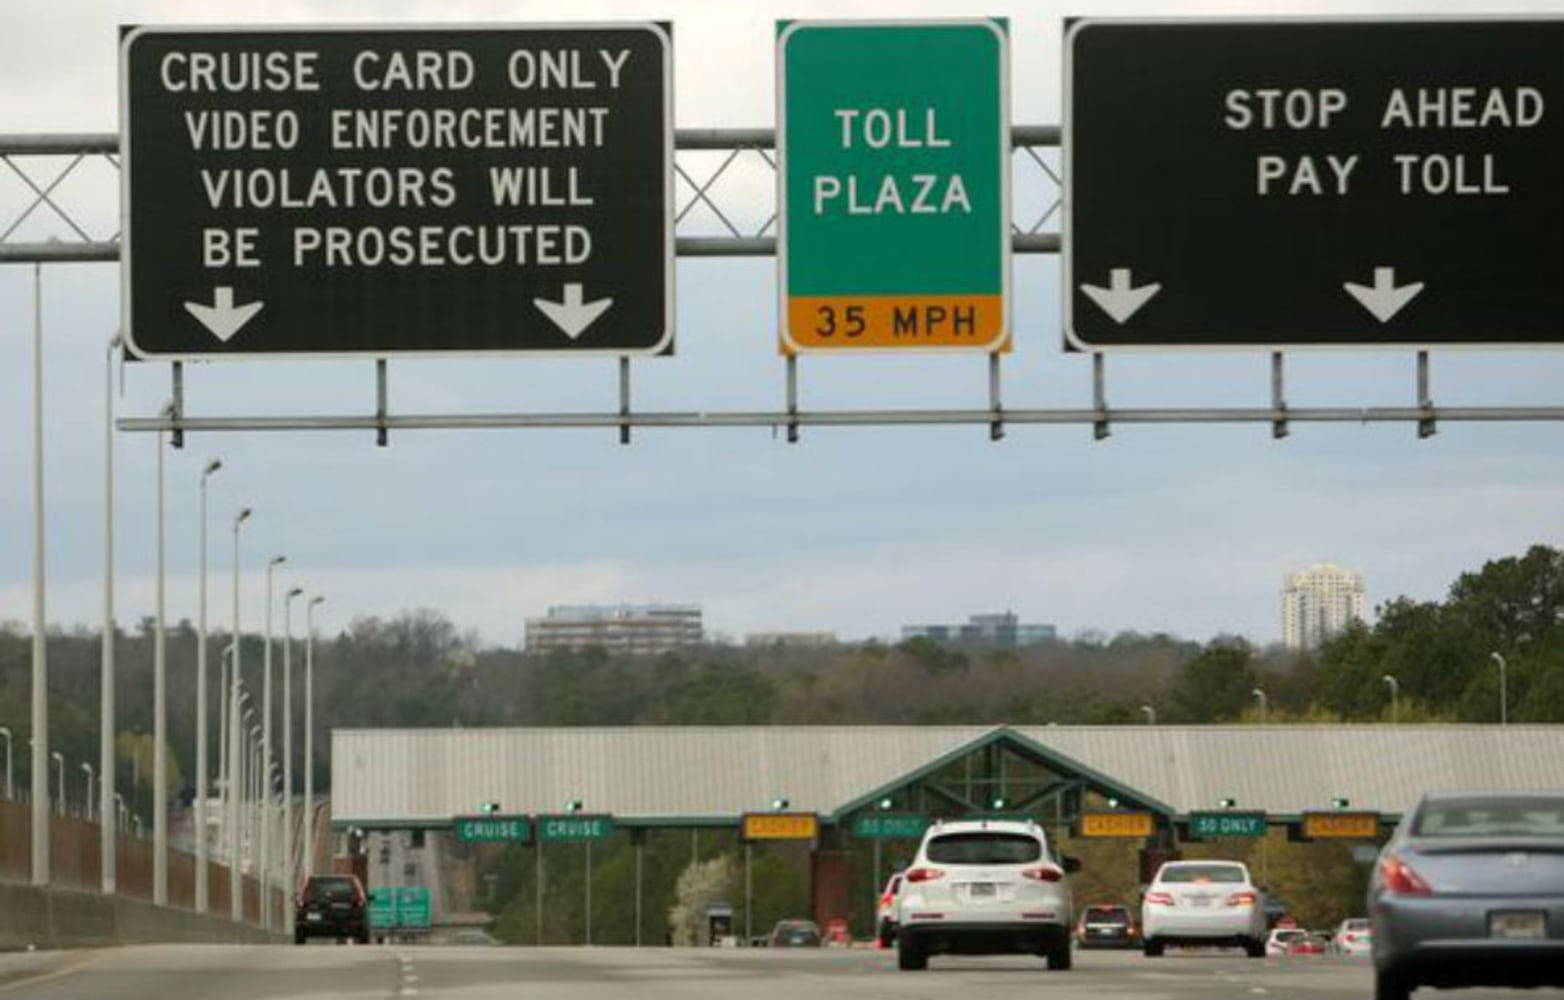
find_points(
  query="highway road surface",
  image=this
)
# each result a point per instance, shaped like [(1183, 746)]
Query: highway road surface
[(329, 972)]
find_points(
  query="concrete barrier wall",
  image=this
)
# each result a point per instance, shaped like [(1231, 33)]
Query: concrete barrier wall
[(60, 918), (75, 856)]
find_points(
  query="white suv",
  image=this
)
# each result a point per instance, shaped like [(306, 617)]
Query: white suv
[(1203, 902), (982, 887)]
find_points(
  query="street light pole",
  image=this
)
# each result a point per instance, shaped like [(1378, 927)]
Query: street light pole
[(289, 842), (40, 664), (202, 889), (106, 721), (59, 761), (87, 809), (264, 869), (160, 703), (1504, 693), (235, 884), (1264, 703), (10, 790), (1395, 696), (309, 732), (1150, 713)]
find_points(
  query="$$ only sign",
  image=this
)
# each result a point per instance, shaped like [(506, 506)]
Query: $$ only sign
[(343, 191)]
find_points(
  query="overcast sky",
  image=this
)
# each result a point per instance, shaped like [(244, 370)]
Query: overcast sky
[(1187, 529)]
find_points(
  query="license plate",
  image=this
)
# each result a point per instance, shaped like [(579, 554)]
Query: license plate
[(313, 918), (1198, 900), (1524, 924), (982, 890)]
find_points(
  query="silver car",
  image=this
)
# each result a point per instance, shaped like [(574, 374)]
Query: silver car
[(1470, 892)]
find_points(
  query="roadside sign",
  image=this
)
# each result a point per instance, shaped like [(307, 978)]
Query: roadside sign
[(348, 191), (491, 829), (1210, 825), (1340, 826), (893, 142), (1117, 824), (382, 909), (412, 907), (781, 826), (889, 825), (1313, 183), (391, 908), (575, 827)]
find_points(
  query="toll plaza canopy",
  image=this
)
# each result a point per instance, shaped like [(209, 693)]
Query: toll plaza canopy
[(710, 776)]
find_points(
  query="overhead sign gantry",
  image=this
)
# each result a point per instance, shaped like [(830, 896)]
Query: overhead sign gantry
[(349, 191)]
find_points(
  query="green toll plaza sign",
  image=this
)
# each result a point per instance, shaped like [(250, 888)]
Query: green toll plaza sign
[(493, 829), (1211, 825), (571, 828), (889, 826), (893, 141)]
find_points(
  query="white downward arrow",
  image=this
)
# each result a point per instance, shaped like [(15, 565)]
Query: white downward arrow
[(573, 315), (1119, 300), (222, 317), (1384, 300)]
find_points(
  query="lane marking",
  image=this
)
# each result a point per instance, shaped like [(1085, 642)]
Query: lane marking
[(71, 969)]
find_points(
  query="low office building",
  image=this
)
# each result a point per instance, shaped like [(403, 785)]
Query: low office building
[(1002, 631), (632, 629)]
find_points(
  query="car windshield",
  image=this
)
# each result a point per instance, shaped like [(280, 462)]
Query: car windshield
[(331, 889), (1107, 915), (1203, 873), (985, 848), (1491, 817)]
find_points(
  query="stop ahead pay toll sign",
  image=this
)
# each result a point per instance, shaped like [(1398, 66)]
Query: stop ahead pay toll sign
[(893, 142)]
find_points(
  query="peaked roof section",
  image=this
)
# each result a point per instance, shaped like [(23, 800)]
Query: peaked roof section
[(714, 774)]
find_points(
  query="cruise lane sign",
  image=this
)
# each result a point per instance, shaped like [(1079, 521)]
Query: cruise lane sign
[(893, 142), (339, 191), (492, 829), (1258, 184), (575, 827)]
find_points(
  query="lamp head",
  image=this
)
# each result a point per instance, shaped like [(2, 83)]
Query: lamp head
[(242, 516), (295, 592), (276, 561), (317, 599), (212, 466)]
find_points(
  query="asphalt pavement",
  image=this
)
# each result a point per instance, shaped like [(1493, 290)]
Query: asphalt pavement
[(331, 972)]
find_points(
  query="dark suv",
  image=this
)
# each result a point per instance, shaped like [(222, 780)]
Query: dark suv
[(334, 906), (1107, 926)]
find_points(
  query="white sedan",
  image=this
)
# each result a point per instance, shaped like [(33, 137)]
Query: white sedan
[(1203, 903)]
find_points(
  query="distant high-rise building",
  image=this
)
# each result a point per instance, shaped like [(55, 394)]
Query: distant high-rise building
[(1320, 602), (1004, 630), (635, 629)]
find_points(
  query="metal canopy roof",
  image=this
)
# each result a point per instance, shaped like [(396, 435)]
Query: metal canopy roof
[(711, 775)]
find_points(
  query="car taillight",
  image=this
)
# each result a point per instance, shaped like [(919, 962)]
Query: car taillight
[(1043, 873), (1241, 899), (924, 874), (1160, 898), (1399, 878)]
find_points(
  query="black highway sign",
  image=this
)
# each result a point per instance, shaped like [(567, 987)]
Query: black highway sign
[(1276, 183), (297, 191)]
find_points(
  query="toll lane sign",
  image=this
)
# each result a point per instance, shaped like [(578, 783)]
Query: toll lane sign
[(893, 189), (347, 191), (1246, 183)]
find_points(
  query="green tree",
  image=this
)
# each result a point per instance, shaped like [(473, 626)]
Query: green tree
[(1216, 684)]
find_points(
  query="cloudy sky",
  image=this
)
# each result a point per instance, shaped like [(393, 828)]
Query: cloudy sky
[(1187, 529)]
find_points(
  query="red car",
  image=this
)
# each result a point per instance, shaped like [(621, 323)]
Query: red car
[(1307, 944)]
